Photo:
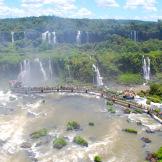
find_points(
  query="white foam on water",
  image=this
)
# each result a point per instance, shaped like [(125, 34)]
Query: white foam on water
[(34, 105), (146, 121), (6, 97), (140, 100), (12, 135), (90, 95)]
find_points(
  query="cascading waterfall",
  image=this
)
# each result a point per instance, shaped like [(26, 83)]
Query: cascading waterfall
[(134, 35), (78, 37), (87, 37), (44, 36), (98, 76), (49, 37), (12, 35), (50, 69), (54, 37), (42, 69), (24, 75), (146, 68)]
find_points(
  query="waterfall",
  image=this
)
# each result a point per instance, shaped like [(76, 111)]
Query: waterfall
[(42, 69), (50, 69), (54, 37), (78, 37), (87, 37), (12, 35), (134, 35), (98, 76), (49, 37), (24, 75), (69, 73), (44, 36), (146, 68)]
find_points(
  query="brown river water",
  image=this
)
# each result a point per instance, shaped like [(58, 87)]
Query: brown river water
[(20, 115)]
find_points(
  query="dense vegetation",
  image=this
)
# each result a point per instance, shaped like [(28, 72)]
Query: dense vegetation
[(80, 141), (39, 133), (59, 143), (154, 94)]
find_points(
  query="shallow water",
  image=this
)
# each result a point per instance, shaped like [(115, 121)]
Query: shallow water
[(26, 114)]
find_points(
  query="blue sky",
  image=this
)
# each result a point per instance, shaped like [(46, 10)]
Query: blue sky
[(118, 9)]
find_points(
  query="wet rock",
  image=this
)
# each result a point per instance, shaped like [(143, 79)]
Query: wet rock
[(12, 98), (128, 120), (2, 142), (43, 101), (139, 123), (30, 153), (26, 145), (44, 141), (91, 124), (150, 131), (146, 140), (34, 160), (127, 111), (151, 157)]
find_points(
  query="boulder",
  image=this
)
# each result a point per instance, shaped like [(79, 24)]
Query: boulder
[(146, 140), (26, 145)]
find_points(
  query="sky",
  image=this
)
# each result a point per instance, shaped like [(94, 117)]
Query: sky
[(102, 9)]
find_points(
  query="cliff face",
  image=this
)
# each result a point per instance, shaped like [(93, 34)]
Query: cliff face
[(66, 30), (85, 37)]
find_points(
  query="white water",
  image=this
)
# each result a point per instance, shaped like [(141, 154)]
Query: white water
[(146, 68), (50, 69), (78, 37), (42, 69), (54, 37), (24, 75), (46, 36), (146, 121), (134, 35), (12, 35), (5, 97), (98, 76), (49, 37)]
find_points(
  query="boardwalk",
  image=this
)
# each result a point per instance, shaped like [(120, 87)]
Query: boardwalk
[(103, 93), (108, 95)]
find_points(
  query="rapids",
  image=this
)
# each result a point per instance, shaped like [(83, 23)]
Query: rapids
[(29, 113)]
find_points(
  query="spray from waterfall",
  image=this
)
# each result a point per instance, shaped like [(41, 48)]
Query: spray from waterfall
[(98, 76), (50, 69), (24, 75), (49, 37), (12, 37), (54, 37), (146, 68), (42, 69), (78, 37)]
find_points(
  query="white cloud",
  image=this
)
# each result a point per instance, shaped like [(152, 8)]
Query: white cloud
[(63, 8), (83, 12), (146, 4), (107, 3)]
